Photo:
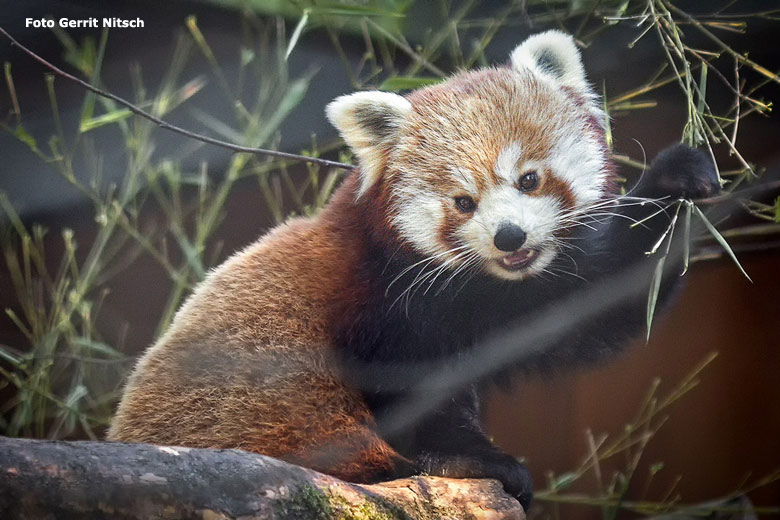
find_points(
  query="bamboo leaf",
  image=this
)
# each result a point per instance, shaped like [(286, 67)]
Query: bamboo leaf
[(96, 62), (722, 241), (78, 392), (247, 56), (407, 83), (13, 216), (97, 346), (619, 12), (295, 93), (668, 232), (564, 481), (655, 288), (106, 119), (353, 10), (297, 33), (25, 137), (184, 93), (217, 126), (10, 357), (192, 255), (607, 122), (660, 241), (20, 325), (687, 236), (777, 209), (631, 105), (9, 80), (192, 26), (328, 186), (702, 88)]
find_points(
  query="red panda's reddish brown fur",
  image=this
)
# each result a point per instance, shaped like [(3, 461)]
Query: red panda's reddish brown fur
[(253, 360), (247, 363)]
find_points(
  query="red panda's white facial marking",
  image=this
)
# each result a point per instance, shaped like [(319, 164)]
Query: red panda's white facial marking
[(506, 164), (466, 179), (505, 205), (485, 170), (580, 162)]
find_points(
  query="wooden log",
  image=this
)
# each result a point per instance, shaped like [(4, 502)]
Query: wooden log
[(63, 480)]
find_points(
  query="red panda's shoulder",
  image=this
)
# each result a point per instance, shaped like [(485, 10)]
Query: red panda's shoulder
[(287, 283)]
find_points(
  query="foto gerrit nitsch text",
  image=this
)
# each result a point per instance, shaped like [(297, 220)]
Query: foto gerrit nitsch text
[(84, 23)]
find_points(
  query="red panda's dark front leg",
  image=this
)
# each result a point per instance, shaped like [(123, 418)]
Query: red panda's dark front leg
[(677, 172), (619, 261), (449, 442), (640, 220)]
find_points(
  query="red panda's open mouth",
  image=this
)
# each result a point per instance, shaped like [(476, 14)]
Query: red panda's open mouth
[(518, 260)]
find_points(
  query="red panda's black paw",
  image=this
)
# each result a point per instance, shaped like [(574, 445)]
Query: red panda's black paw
[(681, 171), (514, 476), (402, 468)]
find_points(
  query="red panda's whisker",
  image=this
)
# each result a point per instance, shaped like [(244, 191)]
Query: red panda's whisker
[(423, 275), (390, 259), (562, 270), (476, 267), (423, 261), (613, 214), (574, 223), (439, 270), (586, 220), (575, 220), (568, 244), (633, 201), (466, 256), (469, 261)]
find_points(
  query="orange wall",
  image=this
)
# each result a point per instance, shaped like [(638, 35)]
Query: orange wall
[(716, 435)]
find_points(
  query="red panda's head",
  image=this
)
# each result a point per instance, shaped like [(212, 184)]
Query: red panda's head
[(489, 167)]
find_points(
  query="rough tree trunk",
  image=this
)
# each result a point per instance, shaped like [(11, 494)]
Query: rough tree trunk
[(62, 480)]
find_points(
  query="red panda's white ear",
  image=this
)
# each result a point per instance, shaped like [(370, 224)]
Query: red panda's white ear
[(554, 56), (369, 123)]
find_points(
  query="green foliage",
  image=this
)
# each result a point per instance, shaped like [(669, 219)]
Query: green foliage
[(67, 377), (626, 450)]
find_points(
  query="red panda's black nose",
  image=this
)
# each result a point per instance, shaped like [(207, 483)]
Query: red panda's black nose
[(509, 237)]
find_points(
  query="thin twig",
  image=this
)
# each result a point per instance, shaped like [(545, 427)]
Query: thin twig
[(743, 59), (737, 91), (737, 104), (168, 126), (762, 188)]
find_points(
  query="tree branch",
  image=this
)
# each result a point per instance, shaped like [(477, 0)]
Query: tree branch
[(64, 480), (168, 126)]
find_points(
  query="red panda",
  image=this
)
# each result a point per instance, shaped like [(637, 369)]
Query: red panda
[(477, 202)]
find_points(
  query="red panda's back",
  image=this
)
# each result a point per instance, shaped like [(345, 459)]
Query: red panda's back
[(247, 362)]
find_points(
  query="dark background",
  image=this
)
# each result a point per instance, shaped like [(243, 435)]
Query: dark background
[(723, 431)]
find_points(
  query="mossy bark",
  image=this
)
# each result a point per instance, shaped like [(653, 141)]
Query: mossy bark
[(85, 480)]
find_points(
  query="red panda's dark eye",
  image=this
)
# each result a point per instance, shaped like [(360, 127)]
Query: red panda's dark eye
[(465, 204), (529, 182)]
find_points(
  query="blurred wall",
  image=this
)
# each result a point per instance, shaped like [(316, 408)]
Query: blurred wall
[(723, 431)]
